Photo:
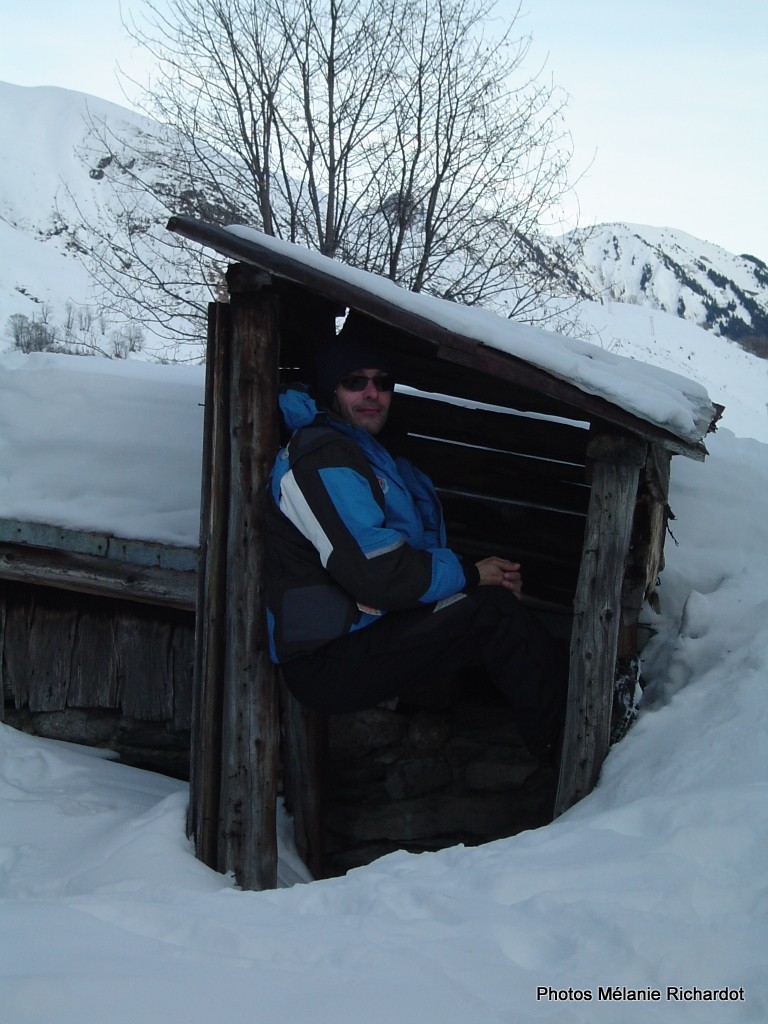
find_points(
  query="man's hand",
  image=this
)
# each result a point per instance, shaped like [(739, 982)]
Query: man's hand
[(498, 572)]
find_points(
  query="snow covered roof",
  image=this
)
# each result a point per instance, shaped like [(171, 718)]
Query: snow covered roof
[(621, 390), (111, 446)]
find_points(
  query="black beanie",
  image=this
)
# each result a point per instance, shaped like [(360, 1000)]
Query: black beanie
[(359, 345)]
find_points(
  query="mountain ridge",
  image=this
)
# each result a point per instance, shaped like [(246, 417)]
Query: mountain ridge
[(674, 272)]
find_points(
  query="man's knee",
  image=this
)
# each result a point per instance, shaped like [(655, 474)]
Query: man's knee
[(484, 602), (501, 606)]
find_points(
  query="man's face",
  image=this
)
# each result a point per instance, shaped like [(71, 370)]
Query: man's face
[(368, 408)]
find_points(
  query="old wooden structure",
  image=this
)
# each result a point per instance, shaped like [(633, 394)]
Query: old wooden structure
[(97, 640), (529, 463)]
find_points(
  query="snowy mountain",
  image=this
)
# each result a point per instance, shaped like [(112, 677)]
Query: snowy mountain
[(42, 276), (54, 194), (676, 273)]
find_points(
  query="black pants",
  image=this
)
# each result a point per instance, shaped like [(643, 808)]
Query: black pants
[(488, 627)]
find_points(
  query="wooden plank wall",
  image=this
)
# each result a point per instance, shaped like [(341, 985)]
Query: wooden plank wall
[(60, 650), (509, 484), (96, 640)]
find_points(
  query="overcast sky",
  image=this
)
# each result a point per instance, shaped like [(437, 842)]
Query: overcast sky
[(667, 108)]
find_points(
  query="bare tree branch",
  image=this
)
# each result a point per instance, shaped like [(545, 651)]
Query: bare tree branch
[(401, 136)]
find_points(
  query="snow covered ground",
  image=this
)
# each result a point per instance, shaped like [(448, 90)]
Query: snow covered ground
[(645, 902)]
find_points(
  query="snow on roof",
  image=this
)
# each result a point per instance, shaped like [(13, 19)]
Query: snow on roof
[(98, 444), (658, 396)]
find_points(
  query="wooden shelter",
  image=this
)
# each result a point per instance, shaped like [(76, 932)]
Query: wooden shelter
[(97, 640), (99, 530), (557, 471)]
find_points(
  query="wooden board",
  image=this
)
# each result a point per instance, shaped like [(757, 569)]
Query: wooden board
[(67, 650), (597, 615)]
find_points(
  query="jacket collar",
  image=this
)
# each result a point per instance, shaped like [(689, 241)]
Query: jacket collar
[(299, 409)]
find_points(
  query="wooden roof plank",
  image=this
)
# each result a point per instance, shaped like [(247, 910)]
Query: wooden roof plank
[(95, 574), (98, 544), (248, 246)]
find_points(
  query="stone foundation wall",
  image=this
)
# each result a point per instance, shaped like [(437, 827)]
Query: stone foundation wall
[(426, 777)]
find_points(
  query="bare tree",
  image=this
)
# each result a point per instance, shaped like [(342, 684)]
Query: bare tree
[(142, 274), (277, 105), (401, 136), (475, 161)]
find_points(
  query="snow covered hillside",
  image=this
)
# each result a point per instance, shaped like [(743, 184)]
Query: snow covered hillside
[(671, 271), (652, 890), (732, 377), (43, 128)]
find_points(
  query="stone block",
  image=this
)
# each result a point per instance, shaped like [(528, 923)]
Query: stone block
[(497, 776), (428, 732), (416, 776), (355, 735)]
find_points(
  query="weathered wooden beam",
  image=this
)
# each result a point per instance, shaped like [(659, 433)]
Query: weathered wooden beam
[(657, 476), (305, 769), (250, 728), (5, 689), (647, 547), (93, 574), (490, 428), (208, 672), (597, 614), (98, 544)]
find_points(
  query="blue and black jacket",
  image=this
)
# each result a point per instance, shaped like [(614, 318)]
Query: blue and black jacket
[(351, 534)]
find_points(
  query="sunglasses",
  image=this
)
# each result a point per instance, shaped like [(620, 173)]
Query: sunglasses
[(359, 382)]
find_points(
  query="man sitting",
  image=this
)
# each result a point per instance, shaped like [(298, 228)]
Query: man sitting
[(366, 602)]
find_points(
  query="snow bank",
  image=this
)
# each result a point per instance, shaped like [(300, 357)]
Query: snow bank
[(96, 444), (657, 879)]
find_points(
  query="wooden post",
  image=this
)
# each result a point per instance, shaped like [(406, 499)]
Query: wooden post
[(205, 740), (305, 755), (597, 613), (236, 749), (646, 557)]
